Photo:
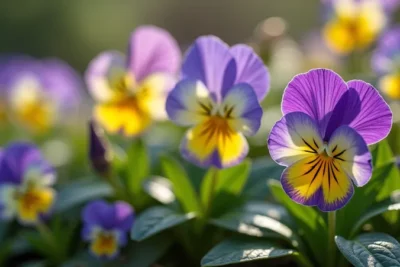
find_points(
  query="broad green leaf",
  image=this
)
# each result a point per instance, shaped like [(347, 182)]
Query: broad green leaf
[(160, 189), (389, 205), (262, 170), (138, 166), (308, 219), (4, 225), (228, 186), (373, 249), (382, 154), (379, 188), (236, 250), (260, 219), (155, 220), (181, 185), (147, 252), (80, 192)]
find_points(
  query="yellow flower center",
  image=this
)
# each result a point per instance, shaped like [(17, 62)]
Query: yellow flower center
[(36, 115), (104, 244), (390, 85)]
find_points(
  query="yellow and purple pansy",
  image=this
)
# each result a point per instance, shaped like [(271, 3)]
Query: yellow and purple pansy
[(355, 24), (130, 90), (219, 95), (105, 226), (386, 63), (38, 93), (324, 135), (25, 184)]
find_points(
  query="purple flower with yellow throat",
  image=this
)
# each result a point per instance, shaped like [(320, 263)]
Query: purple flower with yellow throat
[(105, 226), (25, 184), (130, 90), (324, 135), (38, 93), (386, 63), (219, 95)]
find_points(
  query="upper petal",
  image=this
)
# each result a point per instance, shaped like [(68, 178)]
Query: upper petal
[(100, 213), (251, 69), (151, 50), (315, 93), (189, 103), (210, 61), (241, 106), (124, 216), (103, 72), (374, 120), (351, 153), (295, 137)]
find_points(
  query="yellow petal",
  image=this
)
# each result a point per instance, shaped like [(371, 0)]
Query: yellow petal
[(34, 202), (390, 85)]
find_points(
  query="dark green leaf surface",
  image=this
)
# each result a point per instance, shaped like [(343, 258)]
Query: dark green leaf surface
[(80, 192), (308, 219), (181, 184), (373, 249), (137, 166), (155, 220), (236, 250)]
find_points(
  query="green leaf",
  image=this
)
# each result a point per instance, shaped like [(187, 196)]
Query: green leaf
[(236, 250), (155, 220), (147, 252), (138, 166), (308, 219), (260, 219), (382, 154), (262, 170), (373, 249), (160, 189), (81, 192), (181, 185), (388, 205), (228, 186)]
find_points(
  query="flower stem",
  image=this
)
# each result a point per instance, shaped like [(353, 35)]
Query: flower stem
[(49, 238), (331, 238), (211, 191)]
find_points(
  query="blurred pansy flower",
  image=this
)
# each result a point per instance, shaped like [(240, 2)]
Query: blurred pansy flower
[(25, 183), (355, 24), (39, 92), (105, 226), (386, 63), (324, 135), (130, 90), (219, 96)]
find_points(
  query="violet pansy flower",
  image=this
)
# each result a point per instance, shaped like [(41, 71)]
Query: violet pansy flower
[(130, 90), (39, 92), (324, 135), (25, 184), (219, 96), (105, 226)]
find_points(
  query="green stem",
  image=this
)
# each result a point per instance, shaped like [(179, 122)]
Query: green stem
[(48, 236), (331, 238), (211, 192)]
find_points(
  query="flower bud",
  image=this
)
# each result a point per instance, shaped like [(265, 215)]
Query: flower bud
[(99, 153)]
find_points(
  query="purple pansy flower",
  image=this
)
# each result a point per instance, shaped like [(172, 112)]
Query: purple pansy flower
[(130, 90), (324, 135), (25, 183), (219, 95), (105, 226), (39, 92), (386, 62)]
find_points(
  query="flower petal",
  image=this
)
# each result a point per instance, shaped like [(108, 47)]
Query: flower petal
[(213, 143), (35, 203), (99, 213), (128, 117), (103, 72), (374, 120), (390, 85), (189, 103), (351, 153), (210, 61), (123, 216), (251, 70), (315, 93), (152, 50), (295, 137), (244, 110)]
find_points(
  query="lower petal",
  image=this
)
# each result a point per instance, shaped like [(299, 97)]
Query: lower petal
[(338, 37), (295, 137), (35, 203), (207, 145), (105, 245), (126, 117)]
